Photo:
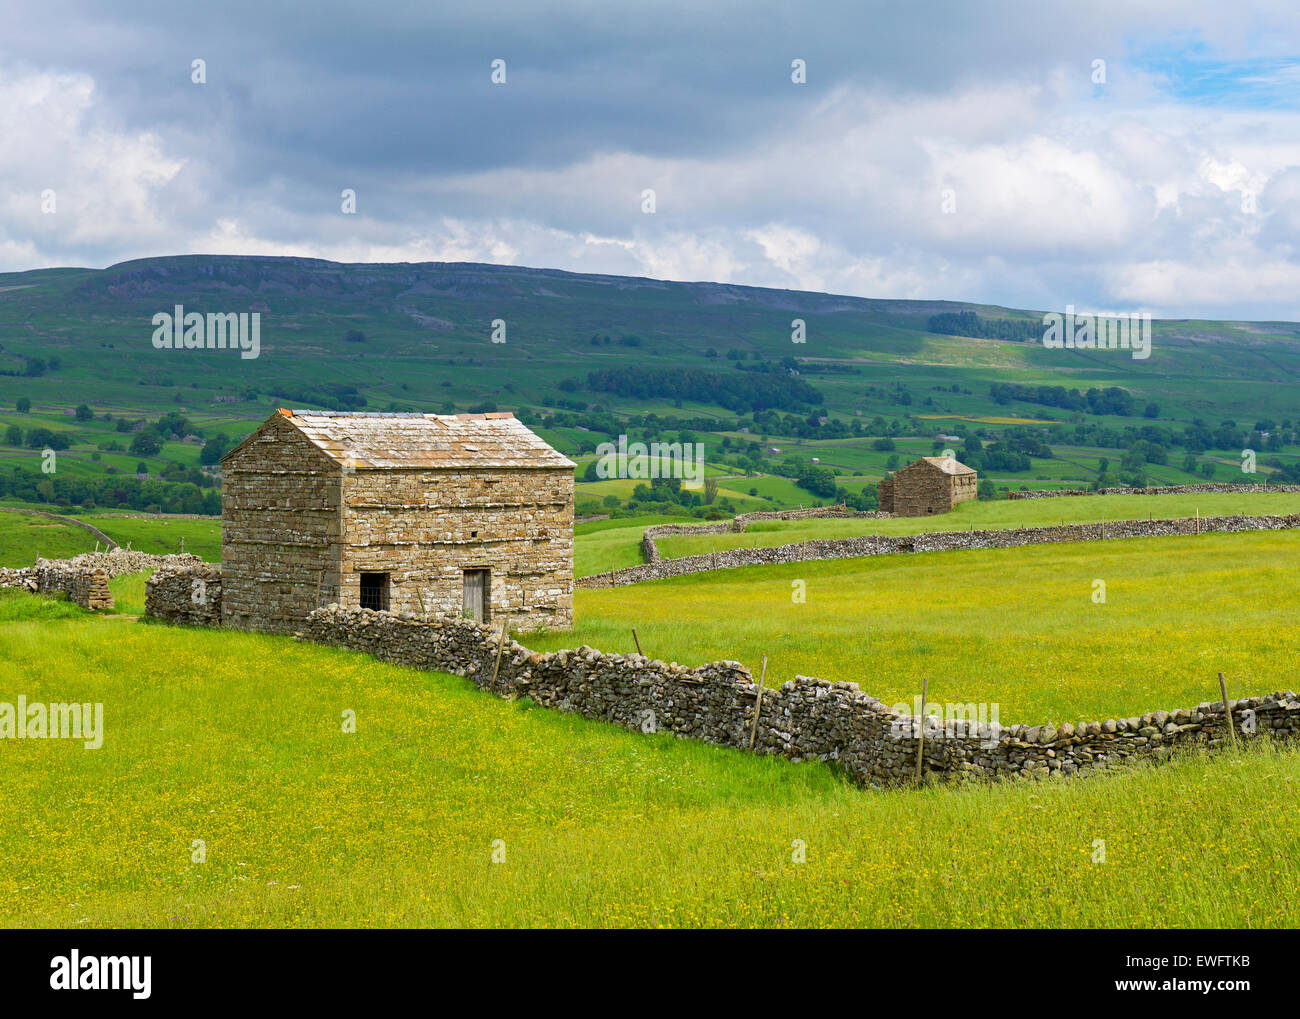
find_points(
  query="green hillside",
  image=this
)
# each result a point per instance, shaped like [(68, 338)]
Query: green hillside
[(585, 358)]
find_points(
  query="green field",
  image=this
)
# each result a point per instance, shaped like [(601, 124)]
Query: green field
[(24, 538), (235, 740), (1017, 626)]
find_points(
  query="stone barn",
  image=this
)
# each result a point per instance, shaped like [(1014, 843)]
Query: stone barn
[(933, 484), (467, 515)]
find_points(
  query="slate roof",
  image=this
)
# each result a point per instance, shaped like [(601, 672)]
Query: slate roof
[(947, 464), (379, 441)]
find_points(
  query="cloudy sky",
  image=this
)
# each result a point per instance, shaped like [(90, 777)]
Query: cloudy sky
[(1117, 155)]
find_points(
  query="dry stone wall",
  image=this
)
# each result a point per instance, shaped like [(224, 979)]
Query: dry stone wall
[(1167, 490), (933, 541), (84, 578), (189, 594), (651, 550), (806, 719)]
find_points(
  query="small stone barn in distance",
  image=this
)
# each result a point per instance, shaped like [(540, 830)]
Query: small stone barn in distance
[(933, 484), (467, 514)]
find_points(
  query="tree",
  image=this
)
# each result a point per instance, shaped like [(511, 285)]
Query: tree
[(13, 436), (1152, 410), (24, 405), (214, 449), (710, 490), (84, 413), (146, 443)]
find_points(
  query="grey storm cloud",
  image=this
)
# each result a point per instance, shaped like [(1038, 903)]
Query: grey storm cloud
[(834, 184)]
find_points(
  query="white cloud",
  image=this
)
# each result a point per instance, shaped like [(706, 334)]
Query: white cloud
[(105, 180)]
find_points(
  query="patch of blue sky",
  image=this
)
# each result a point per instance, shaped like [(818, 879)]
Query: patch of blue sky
[(1191, 74)]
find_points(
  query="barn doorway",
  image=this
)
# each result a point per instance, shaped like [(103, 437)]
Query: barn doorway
[(374, 591), (475, 599)]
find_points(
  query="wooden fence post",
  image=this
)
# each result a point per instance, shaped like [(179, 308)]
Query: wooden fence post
[(920, 734), (501, 644), (758, 705), (637, 639), (1227, 711)]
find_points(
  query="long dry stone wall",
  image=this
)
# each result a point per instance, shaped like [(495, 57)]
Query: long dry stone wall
[(1208, 489), (737, 524), (933, 541), (806, 719), (84, 578)]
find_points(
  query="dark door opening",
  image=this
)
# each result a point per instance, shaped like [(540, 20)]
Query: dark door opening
[(476, 598), (374, 591)]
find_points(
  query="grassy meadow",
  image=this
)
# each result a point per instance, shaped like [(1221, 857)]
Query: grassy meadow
[(1017, 626), (396, 824), (24, 538), (234, 743)]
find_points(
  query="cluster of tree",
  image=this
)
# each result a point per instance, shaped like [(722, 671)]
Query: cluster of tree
[(967, 323), (1009, 453), (628, 340), (34, 367), (738, 392), (864, 501), (1111, 400), (41, 438), (113, 491), (811, 477), (215, 448), (148, 439), (330, 395)]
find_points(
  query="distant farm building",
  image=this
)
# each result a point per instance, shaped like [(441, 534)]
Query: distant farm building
[(933, 484), (468, 514)]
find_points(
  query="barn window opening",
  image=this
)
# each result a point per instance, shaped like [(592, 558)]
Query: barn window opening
[(374, 591), (475, 599)]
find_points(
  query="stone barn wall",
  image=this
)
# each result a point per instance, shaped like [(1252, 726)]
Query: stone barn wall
[(280, 528), (921, 489), (515, 522)]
